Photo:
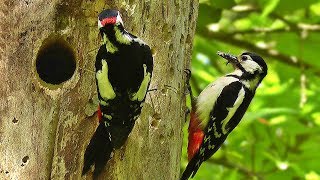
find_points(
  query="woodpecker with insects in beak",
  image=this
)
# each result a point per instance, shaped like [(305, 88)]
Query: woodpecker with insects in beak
[(124, 65), (220, 107)]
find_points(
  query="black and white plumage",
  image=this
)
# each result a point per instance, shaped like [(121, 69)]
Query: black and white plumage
[(220, 107), (124, 65)]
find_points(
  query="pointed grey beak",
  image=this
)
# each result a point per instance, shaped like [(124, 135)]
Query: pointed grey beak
[(229, 57)]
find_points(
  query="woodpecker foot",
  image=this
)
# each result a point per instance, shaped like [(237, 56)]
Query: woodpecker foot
[(170, 88), (187, 113), (150, 90), (188, 77), (188, 73)]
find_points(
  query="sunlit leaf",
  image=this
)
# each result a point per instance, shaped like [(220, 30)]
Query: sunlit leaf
[(315, 8), (278, 120), (316, 118), (269, 7), (312, 176), (282, 165)]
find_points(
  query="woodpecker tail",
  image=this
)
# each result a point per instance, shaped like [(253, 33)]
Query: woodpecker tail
[(191, 168), (98, 151)]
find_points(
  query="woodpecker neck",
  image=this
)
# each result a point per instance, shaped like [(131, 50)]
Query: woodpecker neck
[(249, 80), (114, 37)]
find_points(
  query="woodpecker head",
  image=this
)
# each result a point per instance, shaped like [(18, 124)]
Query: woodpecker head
[(250, 64), (108, 18)]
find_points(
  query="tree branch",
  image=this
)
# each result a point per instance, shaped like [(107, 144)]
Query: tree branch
[(292, 26), (258, 30), (226, 38)]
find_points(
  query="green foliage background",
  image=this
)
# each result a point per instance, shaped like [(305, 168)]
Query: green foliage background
[(279, 137)]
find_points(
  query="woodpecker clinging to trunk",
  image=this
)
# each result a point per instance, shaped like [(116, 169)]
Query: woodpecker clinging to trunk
[(124, 65), (220, 107)]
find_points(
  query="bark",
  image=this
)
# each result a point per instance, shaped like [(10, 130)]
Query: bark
[(45, 128)]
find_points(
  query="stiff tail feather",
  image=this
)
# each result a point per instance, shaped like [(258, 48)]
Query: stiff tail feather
[(98, 151), (191, 168)]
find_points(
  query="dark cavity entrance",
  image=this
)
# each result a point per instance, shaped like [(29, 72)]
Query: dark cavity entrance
[(55, 61)]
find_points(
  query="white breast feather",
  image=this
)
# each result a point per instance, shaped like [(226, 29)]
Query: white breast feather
[(208, 97)]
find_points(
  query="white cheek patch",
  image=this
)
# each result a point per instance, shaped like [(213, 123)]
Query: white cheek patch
[(99, 24), (250, 66), (119, 19)]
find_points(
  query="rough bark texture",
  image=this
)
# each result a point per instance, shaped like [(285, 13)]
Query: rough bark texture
[(44, 129)]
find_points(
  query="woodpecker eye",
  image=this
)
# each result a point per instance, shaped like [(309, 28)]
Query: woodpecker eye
[(243, 58)]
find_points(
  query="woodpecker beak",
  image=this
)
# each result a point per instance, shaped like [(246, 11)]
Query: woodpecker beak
[(229, 57)]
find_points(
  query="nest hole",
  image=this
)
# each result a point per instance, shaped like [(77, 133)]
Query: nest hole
[(55, 61)]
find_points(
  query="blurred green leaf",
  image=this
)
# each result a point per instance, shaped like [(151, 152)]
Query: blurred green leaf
[(287, 6), (269, 7), (225, 4), (207, 15)]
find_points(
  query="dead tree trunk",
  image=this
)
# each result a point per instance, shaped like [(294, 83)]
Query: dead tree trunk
[(48, 117)]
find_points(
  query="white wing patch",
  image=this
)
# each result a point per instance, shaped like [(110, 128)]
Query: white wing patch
[(105, 88), (232, 110), (208, 97), (107, 116), (140, 94)]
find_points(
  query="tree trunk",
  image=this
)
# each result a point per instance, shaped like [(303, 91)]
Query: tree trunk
[(48, 117)]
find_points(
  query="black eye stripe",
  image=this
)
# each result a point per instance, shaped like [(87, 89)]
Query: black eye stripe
[(244, 58)]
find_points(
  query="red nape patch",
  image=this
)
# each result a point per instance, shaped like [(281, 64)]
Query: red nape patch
[(99, 114), (196, 135), (111, 20)]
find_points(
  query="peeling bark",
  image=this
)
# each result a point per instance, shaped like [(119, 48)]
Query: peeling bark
[(45, 128)]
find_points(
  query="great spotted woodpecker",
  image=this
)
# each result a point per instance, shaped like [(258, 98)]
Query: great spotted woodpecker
[(124, 65), (220, 107)]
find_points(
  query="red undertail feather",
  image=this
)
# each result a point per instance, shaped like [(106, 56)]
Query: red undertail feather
[(99, 114), (195, 135)]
